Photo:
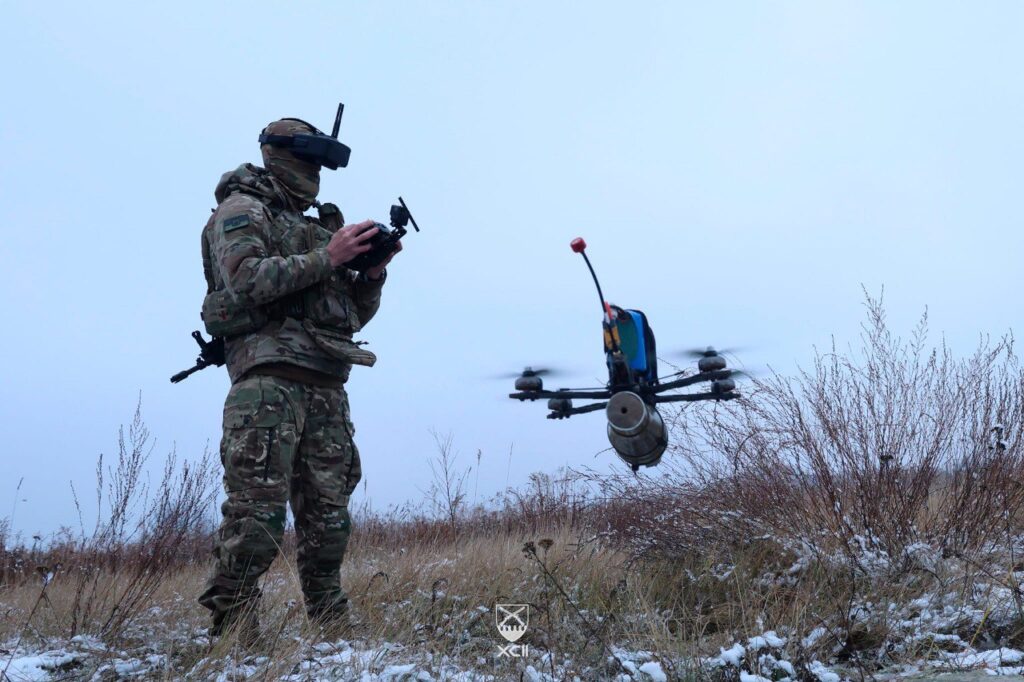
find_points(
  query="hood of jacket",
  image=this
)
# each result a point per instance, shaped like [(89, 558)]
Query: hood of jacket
[(251, 179)]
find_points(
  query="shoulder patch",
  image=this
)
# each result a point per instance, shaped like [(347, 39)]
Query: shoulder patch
[(236, 222)]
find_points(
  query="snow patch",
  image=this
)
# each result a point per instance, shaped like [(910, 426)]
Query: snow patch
[(652, 669)]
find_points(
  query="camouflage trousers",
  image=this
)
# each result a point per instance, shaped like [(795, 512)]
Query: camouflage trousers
[(284, 441)]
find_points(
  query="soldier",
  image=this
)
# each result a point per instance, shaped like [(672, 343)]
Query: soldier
[(280, 296)]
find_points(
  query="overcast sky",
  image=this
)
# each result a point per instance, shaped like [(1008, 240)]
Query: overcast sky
[(739, 171)]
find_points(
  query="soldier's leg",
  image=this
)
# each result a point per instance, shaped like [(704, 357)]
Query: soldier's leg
[(257, 451), (326, 472)]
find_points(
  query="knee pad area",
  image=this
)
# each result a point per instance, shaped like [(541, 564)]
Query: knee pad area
[(251, 537)]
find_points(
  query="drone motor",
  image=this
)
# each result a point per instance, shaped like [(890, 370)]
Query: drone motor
[(723, 386), (711, 363), (530, 380)]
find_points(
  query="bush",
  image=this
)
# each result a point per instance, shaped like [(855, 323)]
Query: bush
[(873, 456), (142, 534)]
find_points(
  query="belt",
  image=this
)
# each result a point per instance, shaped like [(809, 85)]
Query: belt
[(303, 375)]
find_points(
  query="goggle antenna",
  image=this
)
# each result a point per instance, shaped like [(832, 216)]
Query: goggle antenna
[(337, 120)]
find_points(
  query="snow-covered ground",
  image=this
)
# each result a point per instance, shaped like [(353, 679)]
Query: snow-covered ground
[(955, 618), (340, 660), (758, 659)]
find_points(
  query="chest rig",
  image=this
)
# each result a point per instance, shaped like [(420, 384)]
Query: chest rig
[(327, 304)]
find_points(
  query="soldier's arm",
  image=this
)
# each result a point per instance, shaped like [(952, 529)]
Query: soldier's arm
[(366, 296), (366, 288), (251, 275)]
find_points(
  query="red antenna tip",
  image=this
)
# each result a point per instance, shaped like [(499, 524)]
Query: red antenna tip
[(578, 245)]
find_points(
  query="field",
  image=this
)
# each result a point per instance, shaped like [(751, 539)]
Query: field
[(860, 520)]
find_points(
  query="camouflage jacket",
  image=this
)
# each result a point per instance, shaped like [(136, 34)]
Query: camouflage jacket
[(273, 260)]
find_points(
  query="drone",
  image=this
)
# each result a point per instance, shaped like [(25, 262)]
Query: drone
[(636, 430)]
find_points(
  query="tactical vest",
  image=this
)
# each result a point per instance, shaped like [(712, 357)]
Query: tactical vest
[(224, 317), (311, 327)]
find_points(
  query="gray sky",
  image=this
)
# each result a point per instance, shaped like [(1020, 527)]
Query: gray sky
[(738, 169)]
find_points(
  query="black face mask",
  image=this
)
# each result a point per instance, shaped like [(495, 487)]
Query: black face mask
[(315, 147)]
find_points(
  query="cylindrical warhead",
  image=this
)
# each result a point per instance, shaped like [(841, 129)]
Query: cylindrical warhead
[(635, 430)]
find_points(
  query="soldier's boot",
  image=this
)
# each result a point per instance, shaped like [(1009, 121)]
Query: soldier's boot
[(234, 613), (332, 620), (242, 623)]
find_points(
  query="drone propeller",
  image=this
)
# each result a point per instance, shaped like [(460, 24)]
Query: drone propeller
[(533, 372), (709, 351), (728, 384)]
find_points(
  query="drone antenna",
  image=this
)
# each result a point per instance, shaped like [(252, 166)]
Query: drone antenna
[(579, 246), (337, 120)]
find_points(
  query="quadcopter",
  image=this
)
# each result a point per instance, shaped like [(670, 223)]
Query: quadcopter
[(636, 430)]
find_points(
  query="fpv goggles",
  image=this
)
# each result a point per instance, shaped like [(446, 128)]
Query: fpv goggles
[(316, 147)]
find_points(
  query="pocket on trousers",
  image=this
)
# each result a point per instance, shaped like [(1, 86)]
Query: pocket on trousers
[(258, 438), (354, 472), (353, 467), (253, 457)]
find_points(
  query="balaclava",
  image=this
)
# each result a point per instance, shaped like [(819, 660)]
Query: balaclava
[(299, 179)]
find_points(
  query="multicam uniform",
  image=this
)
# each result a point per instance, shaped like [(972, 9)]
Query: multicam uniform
[(287, 427)]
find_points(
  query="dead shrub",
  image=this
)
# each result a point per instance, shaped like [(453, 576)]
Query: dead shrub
[(142, 534), (872, 455)]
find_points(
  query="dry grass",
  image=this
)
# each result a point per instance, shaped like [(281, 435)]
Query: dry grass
[(869, 512), (433, 598)]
